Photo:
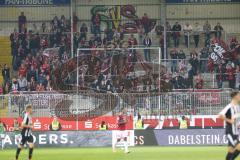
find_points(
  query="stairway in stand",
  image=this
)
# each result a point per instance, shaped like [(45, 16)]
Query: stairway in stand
[(5, 58), (5, 54)]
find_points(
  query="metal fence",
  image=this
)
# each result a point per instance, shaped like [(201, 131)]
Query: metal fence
[(87, 105)]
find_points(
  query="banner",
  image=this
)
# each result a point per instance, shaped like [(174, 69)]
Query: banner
[(111, 121), (187, 137), (150, 122), (65, 139), (191, 137), (40, 101), (145, 138), (218, 52), (44, 123), (33, 2), (201, 1), (171, 122), (214, 98)]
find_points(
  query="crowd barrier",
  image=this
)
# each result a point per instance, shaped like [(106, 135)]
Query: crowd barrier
[(161, 129), (87, 104)]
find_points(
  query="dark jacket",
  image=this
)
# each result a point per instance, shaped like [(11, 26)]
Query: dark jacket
[(147, 42), (6, 73)]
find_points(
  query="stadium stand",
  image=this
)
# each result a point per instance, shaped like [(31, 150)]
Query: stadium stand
[(42, 57), (29, 61), (83, 73)]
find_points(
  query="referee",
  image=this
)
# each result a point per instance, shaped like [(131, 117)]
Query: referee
[(229, 115), (26, 133)]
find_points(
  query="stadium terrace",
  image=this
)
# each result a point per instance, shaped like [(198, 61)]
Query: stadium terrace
[(123, 79)]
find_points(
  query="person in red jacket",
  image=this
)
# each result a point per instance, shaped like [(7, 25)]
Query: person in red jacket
[(34, 63), (210, 65), (233, 42), (46, 67), (230, 70), (22, 70), (28, 62), (146, 23), (132, 41), (1, 90), (121, 133), (199, 82)]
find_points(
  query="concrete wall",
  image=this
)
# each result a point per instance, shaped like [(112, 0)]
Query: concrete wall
[(33, 13), (116, 2), (203, 11), (227, 14)]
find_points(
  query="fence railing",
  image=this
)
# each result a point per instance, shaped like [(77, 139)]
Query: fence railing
[(49, 104)]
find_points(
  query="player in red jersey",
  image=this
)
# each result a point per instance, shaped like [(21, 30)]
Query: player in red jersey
[(121, 133)]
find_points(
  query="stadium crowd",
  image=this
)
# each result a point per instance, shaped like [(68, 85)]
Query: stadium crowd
[(31, 67), (34, 66)]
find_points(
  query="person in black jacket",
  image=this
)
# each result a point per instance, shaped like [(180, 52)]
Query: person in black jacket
[(174, 60), (218, 31), (83, 31), (194, 62), (22, 21), (181, 55), (147, 42), (5, 74), (179, 82), (176, 29)]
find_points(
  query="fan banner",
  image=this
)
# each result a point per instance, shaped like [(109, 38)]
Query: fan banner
[(219, 51), (45, 123)]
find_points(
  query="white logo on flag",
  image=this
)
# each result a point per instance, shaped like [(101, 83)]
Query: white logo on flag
[(88, 124), (37, 124)]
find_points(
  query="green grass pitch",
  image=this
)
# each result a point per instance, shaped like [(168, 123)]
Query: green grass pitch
[(137, 153)]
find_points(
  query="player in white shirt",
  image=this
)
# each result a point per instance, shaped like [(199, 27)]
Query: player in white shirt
[(230, 114)]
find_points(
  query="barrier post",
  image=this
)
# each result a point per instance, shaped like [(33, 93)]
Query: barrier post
[(169, 104)]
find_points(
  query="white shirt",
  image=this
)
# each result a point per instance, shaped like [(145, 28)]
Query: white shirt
[(197, 29), (187, 29)]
